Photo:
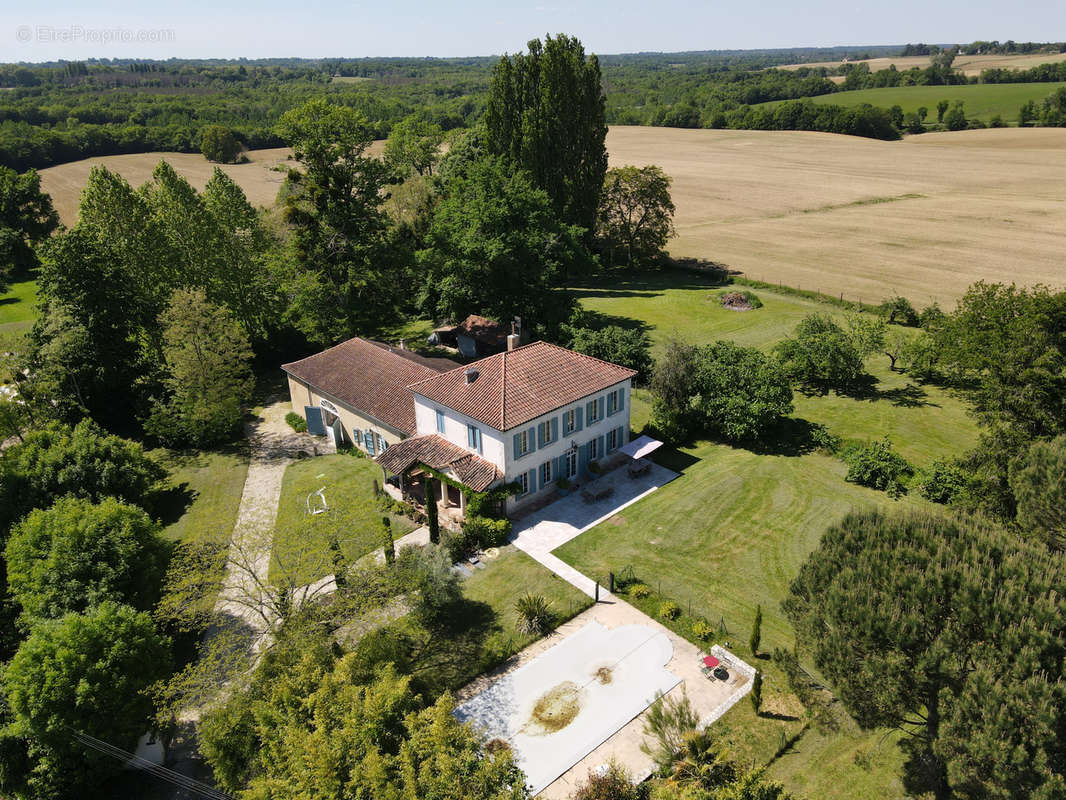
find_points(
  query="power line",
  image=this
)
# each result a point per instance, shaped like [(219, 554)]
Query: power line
[(169, 775)]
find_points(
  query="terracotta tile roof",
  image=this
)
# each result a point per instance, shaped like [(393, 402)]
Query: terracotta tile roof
[(437, 452), (369, 377), (514, 387)]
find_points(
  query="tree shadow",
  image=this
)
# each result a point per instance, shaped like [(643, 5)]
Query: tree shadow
[(450, 653), (867, 388), (792, 436), (672, 458), (685, 274), (171, 503), (778, 717), (598, 320)]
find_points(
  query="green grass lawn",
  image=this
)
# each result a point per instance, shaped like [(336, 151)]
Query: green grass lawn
[(301, 541), (17, 309), (203, 504), (733, 529), (483, 633), (982, 100)]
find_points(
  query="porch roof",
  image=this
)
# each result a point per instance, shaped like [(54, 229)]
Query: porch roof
[(438, 453)]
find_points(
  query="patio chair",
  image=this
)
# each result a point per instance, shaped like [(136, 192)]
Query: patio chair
[(638, 468)]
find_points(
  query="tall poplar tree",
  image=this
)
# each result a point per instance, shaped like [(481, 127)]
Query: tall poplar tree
[(546, 113)]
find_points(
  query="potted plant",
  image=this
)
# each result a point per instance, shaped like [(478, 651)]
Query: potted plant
[(563, 485), (594, 467)]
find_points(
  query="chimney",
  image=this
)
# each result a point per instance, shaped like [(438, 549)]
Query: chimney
[(512, 341), (403, 344), (471, 375)]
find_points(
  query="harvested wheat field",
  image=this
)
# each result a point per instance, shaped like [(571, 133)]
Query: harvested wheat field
[(923, 217), (968, 65), (260, 178)]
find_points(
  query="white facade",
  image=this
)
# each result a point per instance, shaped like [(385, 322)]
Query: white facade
[(546, 439)]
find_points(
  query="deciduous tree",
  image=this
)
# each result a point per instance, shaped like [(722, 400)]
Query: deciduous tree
[(413, 146), (334, 204), (26, 219), (83, 674), (219, 143), (820, 355), (497, 248), (635, 218), (78, 554), (208, 375), (626, 346)]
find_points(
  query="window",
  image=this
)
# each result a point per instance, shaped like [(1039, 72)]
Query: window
[(473, 437), (545, 473), (614, 437), (523, 442), (570, 420), (571, 462), (523, 481), (594, 448), (593, 412), (440, 421), (544, 432), (614, 402)]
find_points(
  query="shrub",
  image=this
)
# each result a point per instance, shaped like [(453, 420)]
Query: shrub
[(824, 439), (639, 591), (941, 481), (702, 630), (878, 466), (563, 484), (487, 532), (534, 614), (296, 422), (669, 610), (594, 467)]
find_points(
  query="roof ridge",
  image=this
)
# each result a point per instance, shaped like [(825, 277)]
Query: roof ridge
[(503, 389), (579, 353)]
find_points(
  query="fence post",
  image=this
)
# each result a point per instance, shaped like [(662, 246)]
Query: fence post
[(597, 591), (610, 577)]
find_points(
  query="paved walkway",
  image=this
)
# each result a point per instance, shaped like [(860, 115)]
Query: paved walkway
[(568, 517), (274, 445)]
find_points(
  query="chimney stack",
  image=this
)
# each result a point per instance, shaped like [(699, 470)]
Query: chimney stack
[(471, 375), (512, 341), (403, 344)]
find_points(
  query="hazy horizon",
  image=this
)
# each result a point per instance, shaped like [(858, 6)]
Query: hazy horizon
[(328, 29)]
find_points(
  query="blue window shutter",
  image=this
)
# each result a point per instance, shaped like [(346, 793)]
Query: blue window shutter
[(532, 481), (621, 398), (540, 436), (532, 439), (557, 467), (601, 402), (582, 459), (440, 421), (516, 452), (555, 429), (603, 442), (580, 418)]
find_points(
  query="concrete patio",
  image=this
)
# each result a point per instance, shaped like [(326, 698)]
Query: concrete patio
[(557, 523)]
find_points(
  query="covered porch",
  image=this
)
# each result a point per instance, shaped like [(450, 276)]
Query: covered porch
[(410, 466)]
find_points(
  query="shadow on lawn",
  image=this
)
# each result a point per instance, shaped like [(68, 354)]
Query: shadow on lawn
[(909, 396), (792, 436), (170, 504)]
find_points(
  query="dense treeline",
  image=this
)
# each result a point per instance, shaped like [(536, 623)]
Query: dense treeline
[(66, 111)]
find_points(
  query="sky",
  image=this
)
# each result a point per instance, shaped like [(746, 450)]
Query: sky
[(73, 29)]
